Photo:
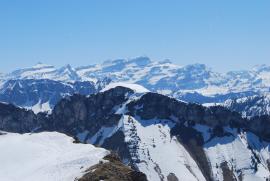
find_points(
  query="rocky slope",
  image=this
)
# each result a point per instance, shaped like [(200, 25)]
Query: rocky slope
[(160, 136)]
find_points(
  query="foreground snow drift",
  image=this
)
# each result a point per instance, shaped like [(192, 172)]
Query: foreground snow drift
[(47, 156)]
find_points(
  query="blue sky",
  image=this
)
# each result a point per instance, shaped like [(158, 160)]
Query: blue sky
[(224, 34)]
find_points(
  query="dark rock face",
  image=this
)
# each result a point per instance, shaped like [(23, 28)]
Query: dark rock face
[(80, 113), (156, 105), (227, 172), (114, 170), (193, 142), (13, 119), (70, 115), (260, 125), (268, 164), (172, 177), (117, 142)]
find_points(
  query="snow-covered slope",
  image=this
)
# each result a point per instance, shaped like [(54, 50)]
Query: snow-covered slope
[(160, 155), (250, 106), (239, 155), (43, 71), (45, 156)]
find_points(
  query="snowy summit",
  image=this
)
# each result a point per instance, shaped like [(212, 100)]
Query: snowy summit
[(135, 87)]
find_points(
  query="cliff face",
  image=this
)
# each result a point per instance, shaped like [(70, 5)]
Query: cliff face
[(14, 119), (163, 107)]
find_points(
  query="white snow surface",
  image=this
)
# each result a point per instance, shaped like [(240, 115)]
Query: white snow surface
[(135, 87), (234, 150), (46, 156), (40, 107), (250, 106), (158, 152)]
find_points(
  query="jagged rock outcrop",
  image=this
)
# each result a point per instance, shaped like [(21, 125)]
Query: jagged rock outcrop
[(260, 125), (14, 119), (156, 105), (78, 113)]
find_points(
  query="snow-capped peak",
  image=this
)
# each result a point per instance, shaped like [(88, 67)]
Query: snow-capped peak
[(261, 68), (198, 66), (36, 72), (139, 61), (67, 69), (157, 76), (41, 65), (44, 71), (66, 73), (135, 87)]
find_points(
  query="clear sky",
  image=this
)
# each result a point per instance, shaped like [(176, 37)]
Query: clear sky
[(224, 34)]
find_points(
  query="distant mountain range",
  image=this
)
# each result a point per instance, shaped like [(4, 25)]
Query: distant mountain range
[(192, 83), (162, 76)]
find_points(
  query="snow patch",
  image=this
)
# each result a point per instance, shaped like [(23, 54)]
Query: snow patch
[(45, 156)]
